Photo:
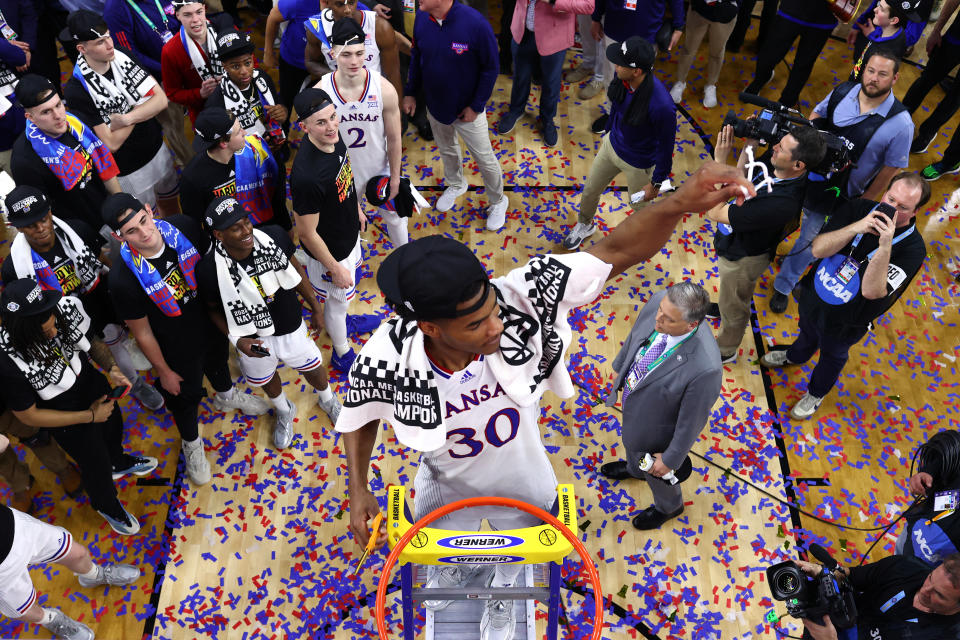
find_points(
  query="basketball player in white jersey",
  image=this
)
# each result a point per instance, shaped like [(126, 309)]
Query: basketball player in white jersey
[(369, 113), (460, 371), (380, 40)]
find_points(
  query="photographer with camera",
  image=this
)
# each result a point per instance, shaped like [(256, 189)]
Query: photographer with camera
[(878, 131), (868, 255), (748, 235), (895, 598)]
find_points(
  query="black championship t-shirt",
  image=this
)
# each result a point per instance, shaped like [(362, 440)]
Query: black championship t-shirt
[(83, 202), (284, 305), (757, 226), (885, 611), (813, 12), (141, 145), (204, 179), (322, 183), (19, 395), (835, 296), (132, 302)]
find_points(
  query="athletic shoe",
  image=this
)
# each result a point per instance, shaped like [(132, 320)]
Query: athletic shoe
[(937, 170), (713, 311), (710, 96), (246, 403), (676, 91), (577, 234), (115, 575), (775, 358), (778, 302), (499, 620), (146, 394), (589, 90), (497, 214), (331, 407), (124, 524), (575, 76), (283, 426), (198, 468), (449, 196), (550, 133), (66, 628), (805, 407), (921, 144), (344, 362), (600, 124), (755, 87), (424, 130), (137, 465), (361, 323), (508, 122), (446, 577)]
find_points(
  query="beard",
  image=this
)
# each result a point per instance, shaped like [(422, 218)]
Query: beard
[(872, 91)]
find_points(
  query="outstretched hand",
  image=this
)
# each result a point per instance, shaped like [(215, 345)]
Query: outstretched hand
[(712, 184)]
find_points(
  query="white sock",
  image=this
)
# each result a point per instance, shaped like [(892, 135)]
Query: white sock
[(505, 575), (226, 395), (396, 227), (325, 394), (48, 616), (281, 402), (335, 319), (90, 575)]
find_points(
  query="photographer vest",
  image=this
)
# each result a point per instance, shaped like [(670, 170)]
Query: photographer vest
[(823, 192)]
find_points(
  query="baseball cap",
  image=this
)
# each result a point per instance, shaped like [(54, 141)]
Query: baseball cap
[(34, 89), (26, 205), (309, 101), (115, 207), (213, 125), (84, 25), (427, 278), (182, 3), (24, 297), (223, 212), (346, 31), (233, 43), (634, 52), (911, 8)]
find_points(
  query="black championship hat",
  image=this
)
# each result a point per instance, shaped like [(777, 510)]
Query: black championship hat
[(24, 297), (213, 125), (427, 278), (233, 43), (33, 90), (115, 208), (309, 101), (346, 31), (223, 212), (84, 25), (634, 52), (26, 205)]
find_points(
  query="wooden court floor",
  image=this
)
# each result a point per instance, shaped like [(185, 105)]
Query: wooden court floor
[(263, 552)]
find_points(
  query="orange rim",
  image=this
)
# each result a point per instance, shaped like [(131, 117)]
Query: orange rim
[(379, 606)]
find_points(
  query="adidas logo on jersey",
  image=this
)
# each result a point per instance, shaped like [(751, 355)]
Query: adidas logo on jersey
[(169, 264), (467, 377)]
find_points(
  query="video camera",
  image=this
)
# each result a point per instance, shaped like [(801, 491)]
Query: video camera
[(775, 121), (813, 598)]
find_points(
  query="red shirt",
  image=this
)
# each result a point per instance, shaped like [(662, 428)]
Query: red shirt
[(180, 80)]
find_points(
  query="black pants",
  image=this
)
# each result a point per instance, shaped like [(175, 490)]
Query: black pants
[(96, 447), (744, 16), (191, 362), (944, 59), (782, 35), (291, 79), (504, 37), (951, 154)]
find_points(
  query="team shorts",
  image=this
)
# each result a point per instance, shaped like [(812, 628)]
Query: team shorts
[(156, 179), (34, 542), (322, 283), (295, 349)]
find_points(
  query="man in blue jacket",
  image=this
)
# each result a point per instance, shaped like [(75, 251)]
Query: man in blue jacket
[(643, 126), (20, 38)]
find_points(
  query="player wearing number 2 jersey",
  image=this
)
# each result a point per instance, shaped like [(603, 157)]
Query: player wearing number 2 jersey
[(460, 371)]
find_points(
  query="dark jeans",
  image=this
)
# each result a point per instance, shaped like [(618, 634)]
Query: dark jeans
[(744, 16), (504, 38), (834, 344), (192, 362), (291, 78), (525, 60), (942, 62), (95, 447), (782, 35), (951, 155)]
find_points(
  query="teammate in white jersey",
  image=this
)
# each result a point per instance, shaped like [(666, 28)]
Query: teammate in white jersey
[(369, 111), (460, 372)]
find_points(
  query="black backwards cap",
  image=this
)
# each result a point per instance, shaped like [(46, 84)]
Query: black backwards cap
[(346, 31), (115, 207), (34, 89), (309, 101)]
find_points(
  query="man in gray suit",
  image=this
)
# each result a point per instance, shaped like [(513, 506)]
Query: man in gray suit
[(670, 373)]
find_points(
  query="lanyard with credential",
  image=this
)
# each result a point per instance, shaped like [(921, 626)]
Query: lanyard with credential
[(666, 354), (145, 18)]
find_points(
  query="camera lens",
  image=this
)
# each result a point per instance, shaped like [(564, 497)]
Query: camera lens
[(787, 582)]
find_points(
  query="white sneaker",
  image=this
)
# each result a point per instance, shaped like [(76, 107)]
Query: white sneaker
[(710, 96), (283, 426), (446, 577), (577, 234), (805, 407), (332, 408), (676, 92), (497, 214), (775, 358), (66, 628), (246, 403), (499, 620), (113, 574), (449, 196), (198, 467)]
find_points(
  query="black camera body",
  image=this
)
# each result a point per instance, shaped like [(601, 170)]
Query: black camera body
[(813, 598), (775, 121)]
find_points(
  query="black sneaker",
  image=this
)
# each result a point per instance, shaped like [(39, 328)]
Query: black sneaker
[(713, 311), (921, 144), (778, 302), (600, 124)]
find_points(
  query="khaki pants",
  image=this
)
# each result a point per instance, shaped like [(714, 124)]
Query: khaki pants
[(697, 27), (171, 121), (14, 471), (738, 279), (607, 166), (476, 135)]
